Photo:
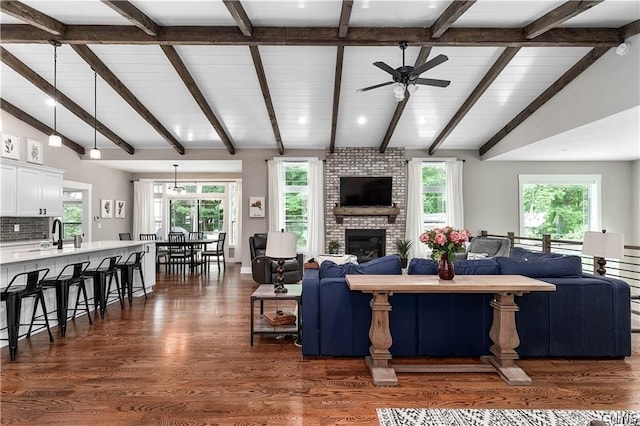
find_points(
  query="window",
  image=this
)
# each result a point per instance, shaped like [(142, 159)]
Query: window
[(72, 214), (296, 198), (434, 195), (563, 206)]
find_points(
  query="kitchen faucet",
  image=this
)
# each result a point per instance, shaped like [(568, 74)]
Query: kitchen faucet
[(57, 224)]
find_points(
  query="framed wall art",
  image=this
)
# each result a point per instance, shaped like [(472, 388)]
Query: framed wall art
[(119, 209), (34, 151), (10, 146), (256, 206), (106, 208)]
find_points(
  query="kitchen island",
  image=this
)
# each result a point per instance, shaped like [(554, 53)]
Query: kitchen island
[(16, 259)]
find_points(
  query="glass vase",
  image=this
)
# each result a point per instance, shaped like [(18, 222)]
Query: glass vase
[(445, 268)]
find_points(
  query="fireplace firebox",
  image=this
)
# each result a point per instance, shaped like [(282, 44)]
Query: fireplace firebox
[(365, 244)]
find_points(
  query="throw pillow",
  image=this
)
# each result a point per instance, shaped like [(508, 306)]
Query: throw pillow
[(386, 265), (338, 259), (476, 256), (422, 267)]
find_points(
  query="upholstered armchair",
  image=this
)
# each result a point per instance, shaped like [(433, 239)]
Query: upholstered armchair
[(486, 247), (263, 268)]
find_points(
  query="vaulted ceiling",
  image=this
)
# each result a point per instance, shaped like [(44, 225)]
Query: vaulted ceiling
[(235, 75)]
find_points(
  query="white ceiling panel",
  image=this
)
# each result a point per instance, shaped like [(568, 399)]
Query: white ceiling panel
[(505, 13), (533, 71), (293, 13), (76, 12), (388, 13), (610, 13), (227, 77), (186, 12), (302, 92)]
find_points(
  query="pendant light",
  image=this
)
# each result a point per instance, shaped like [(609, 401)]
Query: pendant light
[(55, 139), (176, 189), (94, 154)]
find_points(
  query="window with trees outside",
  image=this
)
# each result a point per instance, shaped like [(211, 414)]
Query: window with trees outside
[(72, 214), (296, 197), (563, 206), (434, 195)]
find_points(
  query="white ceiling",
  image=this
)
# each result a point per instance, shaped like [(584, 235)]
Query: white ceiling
[(301, 81)]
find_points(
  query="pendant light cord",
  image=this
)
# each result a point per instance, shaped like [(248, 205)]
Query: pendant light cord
[(55, 84), (95, 109)]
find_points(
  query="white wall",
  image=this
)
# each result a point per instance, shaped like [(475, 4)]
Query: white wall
[(635, 199), (106, 183)]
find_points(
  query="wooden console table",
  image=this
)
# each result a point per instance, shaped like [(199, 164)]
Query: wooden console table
[(503, 333)]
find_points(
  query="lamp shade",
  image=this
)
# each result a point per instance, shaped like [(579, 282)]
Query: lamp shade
[(55, 140), (281, 245), (609, 245)]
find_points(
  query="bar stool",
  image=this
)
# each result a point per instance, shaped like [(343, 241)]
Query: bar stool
[(106, 269), (133, 262), (12, 295), (75, 277)]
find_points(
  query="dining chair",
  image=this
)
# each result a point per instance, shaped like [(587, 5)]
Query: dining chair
[(218, 252), (197, 249), (179, 256)]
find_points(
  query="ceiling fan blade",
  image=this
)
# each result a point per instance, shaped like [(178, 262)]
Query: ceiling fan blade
[(433, 82), (429, 64), (364, 89), (387, 68)]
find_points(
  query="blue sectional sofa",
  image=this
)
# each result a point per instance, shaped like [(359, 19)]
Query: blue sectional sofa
[(587, 316)]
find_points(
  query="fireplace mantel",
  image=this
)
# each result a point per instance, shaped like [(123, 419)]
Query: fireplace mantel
[(390, 212)]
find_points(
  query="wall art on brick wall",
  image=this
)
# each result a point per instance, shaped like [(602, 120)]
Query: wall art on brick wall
[(34, 151), (256, 206), (119, 209), (106, 208), (10, 146)]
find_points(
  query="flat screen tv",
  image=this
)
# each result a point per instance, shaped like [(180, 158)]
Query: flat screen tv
[(365, 191)]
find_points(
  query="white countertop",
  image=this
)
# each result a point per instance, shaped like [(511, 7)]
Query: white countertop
[(10, 255)]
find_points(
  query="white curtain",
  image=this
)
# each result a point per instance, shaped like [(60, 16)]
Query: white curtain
[(315, 219), (275, 201), (455, 206), (143, 214), (414, 209)]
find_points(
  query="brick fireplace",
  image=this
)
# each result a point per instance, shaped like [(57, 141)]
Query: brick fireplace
[(365, 162)]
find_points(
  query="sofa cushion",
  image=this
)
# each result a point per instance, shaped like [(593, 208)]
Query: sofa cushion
[(520, 253), (386, 265), (461, 267), (552, 267)]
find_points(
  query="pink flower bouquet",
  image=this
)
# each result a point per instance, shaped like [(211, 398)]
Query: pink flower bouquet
[(445, 240)]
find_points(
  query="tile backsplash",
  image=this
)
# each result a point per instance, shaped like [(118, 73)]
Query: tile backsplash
[(31, 229)]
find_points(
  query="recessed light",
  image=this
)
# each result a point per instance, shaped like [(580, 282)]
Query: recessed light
[(302, 120), (422, 120), (365, 4), (362, 120), (301, 5), (50, 102)]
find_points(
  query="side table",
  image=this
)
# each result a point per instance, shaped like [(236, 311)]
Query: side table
[(260, 326)]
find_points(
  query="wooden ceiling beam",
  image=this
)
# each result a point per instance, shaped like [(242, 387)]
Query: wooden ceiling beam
[(449, 16), (317, 36), (33, 17), (38, 125), (337, 83), (556, 87), (345, 15), (631, 29), (507, 55), (557, 16), (193, 88), (42, 84), (240, 16), (134, 15), (262, 78), (421, 59), (105, 73)]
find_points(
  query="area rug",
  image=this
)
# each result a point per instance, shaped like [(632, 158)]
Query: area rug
[(477, 417)]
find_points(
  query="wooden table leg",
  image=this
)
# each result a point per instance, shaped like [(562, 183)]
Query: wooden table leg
[(379, 362), (504, 336)]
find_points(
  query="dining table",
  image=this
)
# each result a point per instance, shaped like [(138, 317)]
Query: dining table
[(191, 245)]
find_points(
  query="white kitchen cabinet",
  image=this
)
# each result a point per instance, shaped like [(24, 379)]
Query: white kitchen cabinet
[(8, 180), (31, 190)]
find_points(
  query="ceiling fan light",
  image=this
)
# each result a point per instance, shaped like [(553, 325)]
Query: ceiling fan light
[(94, 154), (412, 88), (55, 140), (398, 89)]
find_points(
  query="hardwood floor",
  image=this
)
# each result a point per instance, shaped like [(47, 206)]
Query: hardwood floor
[(183, 357)]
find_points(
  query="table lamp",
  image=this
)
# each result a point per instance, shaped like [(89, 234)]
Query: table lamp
[(603, 245), (281, 245)]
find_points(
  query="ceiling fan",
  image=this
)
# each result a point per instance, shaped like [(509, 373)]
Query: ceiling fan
[(407, 76)]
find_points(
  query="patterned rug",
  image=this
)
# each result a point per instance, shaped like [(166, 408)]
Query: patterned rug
[(477, 417)]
